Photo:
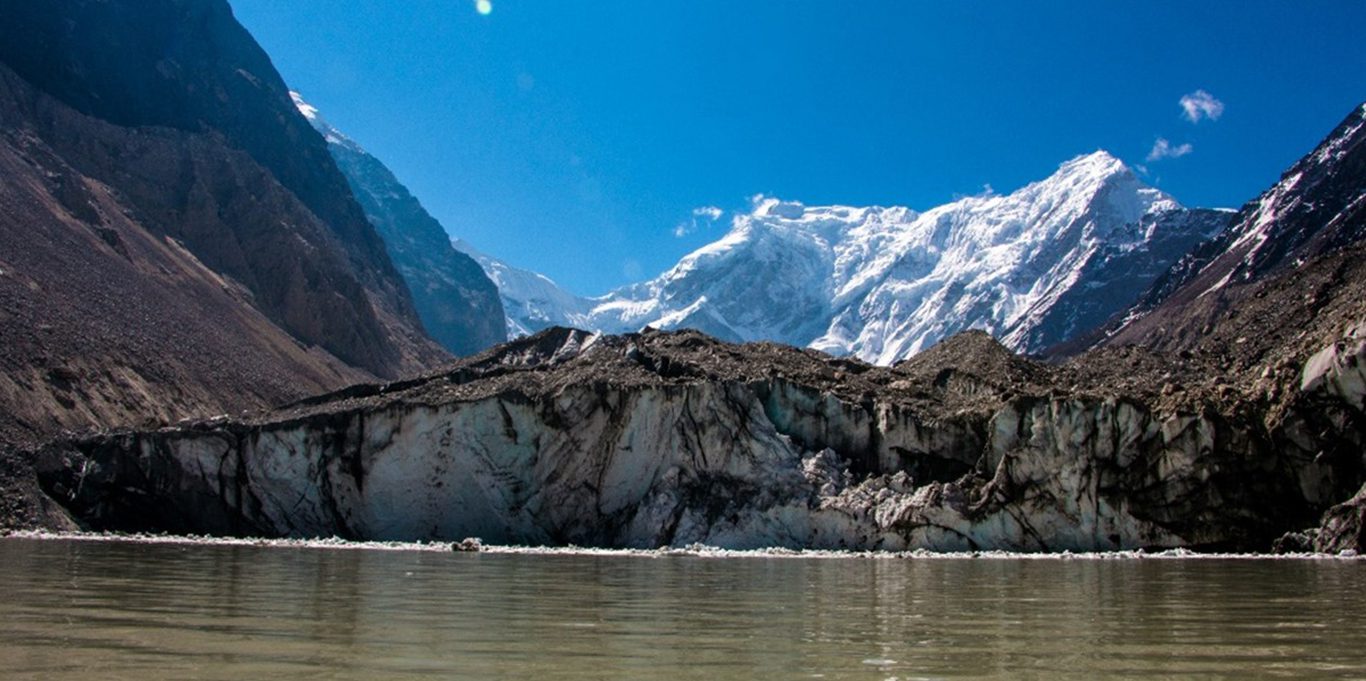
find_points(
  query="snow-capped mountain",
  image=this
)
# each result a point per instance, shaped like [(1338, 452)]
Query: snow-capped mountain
[(532, 301), (458, 304), (1033, 268)]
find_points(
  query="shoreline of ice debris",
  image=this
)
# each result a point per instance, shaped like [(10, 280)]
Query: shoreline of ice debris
[(472, 545)]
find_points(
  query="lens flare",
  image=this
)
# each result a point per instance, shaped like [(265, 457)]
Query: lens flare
[(483, 6)]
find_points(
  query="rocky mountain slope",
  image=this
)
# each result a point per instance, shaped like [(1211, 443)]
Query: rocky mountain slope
[(172, 105), (1034, 268), (457, 302), (105, 321), (175, 239), (1318, 208)]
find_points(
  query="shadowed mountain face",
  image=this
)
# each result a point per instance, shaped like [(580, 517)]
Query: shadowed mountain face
[(1309, 224), (188, 65), (104, 320), (175, 239), (197, 133), (457, 302)]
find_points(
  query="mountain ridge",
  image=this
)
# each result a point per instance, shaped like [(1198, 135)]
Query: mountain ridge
[(458, 304), (107, 321), (196, 75), (1315, 209), (1035, 266)]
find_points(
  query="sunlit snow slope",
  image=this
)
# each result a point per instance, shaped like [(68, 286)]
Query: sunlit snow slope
[(1033, 267), (532, 301)]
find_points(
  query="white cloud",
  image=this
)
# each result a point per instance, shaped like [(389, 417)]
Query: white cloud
[(701, 217), (1201, 104), (1164, 149), (986, 193), (709, 212)]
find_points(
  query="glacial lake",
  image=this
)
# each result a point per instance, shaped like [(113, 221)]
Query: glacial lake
[(117, 610)]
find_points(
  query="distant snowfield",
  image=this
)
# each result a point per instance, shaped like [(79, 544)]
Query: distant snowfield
[(694, 551), (1034, 268)]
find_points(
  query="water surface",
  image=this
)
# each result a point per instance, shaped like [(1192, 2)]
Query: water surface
[(106, 610)]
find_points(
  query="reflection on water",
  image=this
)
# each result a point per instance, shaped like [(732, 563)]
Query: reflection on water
[(120, 610)]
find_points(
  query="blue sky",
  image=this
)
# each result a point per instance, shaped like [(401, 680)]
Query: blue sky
[(574, 138)]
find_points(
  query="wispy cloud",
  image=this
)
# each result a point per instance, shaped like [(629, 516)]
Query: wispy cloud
[(986, 193), (1201, 104), (701, 216), (1164, 149), (709, 212)]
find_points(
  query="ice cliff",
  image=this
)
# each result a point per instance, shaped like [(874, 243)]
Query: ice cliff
[(674, 438)]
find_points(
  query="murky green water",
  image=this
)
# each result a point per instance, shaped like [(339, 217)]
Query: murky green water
[(93, 610)]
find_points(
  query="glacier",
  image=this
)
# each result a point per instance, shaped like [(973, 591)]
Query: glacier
[(674, 439)]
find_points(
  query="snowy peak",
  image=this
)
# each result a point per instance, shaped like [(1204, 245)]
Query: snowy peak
[(1095, 167), (315, 119), (308, 110), (1085, 174), (1104, 183), (884, 283), (532, 301)]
